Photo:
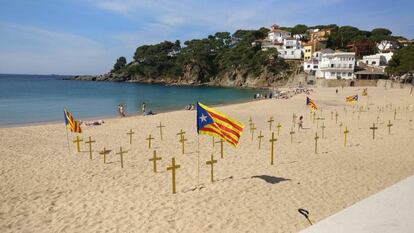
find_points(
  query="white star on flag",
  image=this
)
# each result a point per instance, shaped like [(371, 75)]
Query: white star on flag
[(203, 118)]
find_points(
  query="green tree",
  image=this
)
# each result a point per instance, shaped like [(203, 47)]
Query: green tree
[(119, 64), (299, 29), (402, 61), (381, 31)]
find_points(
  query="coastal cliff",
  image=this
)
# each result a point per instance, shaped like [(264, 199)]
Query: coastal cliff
[(219, 60)]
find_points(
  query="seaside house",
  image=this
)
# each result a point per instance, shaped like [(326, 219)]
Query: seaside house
[(386, 45), (312, 65), (405, 43), (378, 59), (336, 65), (288, 47)]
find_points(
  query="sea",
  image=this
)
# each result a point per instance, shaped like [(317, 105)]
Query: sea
[(33, 99)]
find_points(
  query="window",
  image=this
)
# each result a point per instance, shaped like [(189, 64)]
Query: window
[(333, 73), (349, 74), (308, 66), (315, 67), (285, 52), (344, 74), (350, 65), (332, 65), (374, 62), (291, 53), (366, 62)]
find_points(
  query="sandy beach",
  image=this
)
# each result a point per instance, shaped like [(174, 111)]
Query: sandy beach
[(47, 188)]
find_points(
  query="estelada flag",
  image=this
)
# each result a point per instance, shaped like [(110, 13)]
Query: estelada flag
[(352, 98), (71, 123), (311, 103), (217, 124)]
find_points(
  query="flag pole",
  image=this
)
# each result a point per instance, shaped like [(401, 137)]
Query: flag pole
[(67, 133), (198, 160)]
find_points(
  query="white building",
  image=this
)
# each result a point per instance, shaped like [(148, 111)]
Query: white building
[(386, 45), (338, 65), (288, 47), (312, 65), (374, 60), (277, 35), (291, 49)]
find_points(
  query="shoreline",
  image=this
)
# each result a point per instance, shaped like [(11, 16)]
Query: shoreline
[(112, 117)]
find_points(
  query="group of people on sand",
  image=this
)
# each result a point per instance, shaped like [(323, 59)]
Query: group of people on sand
[(122, 113), (190, 107), (261, 96)]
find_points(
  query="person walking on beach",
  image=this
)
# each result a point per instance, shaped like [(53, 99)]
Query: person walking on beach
[(300, 123)]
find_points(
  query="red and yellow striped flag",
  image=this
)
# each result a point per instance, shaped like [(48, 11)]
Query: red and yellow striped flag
[(217, 124), (70, 122)]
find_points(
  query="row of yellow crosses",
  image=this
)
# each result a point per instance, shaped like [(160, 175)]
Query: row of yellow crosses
[(212, 161)]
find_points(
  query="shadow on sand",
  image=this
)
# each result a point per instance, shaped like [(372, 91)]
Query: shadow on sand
[(271, 179)]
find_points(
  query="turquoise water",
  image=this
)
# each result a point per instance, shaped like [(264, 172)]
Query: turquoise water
[(41, 98)]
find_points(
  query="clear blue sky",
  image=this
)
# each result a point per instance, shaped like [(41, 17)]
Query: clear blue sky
[(86, 36)]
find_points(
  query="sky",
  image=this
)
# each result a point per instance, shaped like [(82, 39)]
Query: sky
[(87, 36)]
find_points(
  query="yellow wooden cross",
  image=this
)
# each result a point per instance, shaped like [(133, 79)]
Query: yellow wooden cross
[(154, 160), (104, 152), (346, 131), (294, 120), (252, 129), (121, 154), (211, 162), (389, 127), (317, 121), (336, 117), (272, 141), (181, 133), (77, 141), (173, 167), (130, 135), (291, 135), (270, 121), (149, 139), (90, 146), (260, 138), (221, 147), (278, 128), (161, 126), (323, 130), (316, 142), (373, 128), (182, 141)]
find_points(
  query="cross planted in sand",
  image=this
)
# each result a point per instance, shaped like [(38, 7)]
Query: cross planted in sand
[(77, 141), (316, 142), (272, 141), (104, 152), (121, 154), (389, 127), (373, 128), (252, 129), (260, 138), (278, 128), (173, 167), (317, 121), (182, 141), (336, 117), (161, 126), (149, 139), (294, 119), (221, 147), (130, 135), (340, 128), (90, 141), (154, 160), (211, 162), (346, 131), (323, 130), (291, 135), (270, 121)]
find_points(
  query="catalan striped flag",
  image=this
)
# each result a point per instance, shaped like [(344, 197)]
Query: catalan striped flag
[(216, 124), (70, 122), (352, 98), (311, 103)]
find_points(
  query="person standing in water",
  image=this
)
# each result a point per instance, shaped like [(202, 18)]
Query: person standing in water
[(143, 107)]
